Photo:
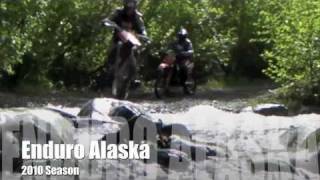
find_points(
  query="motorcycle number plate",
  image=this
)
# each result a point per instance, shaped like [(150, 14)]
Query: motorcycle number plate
[(127, 36)]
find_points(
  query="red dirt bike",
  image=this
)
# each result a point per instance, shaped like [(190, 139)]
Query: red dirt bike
[(169, 74), (125, 64)]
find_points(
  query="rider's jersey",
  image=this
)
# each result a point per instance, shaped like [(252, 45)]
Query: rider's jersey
[(129, 23), (181, 49)]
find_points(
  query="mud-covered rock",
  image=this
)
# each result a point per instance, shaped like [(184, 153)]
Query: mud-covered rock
[(100, 108)]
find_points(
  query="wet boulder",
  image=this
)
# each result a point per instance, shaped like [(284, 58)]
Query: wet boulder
[(112, 110), (98, 112), (268, 110), (131, 113), (101, 108)]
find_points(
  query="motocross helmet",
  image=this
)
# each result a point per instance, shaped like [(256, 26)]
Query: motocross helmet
[(182, 34), (130, 4)]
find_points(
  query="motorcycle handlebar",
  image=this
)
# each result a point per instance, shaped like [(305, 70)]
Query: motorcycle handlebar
[(107, 22), (144, 38)]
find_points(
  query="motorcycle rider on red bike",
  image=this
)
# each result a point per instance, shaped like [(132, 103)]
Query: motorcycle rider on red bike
[(130, 19), (183, 50)]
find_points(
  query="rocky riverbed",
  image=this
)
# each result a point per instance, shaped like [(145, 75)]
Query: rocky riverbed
[(229, 99)]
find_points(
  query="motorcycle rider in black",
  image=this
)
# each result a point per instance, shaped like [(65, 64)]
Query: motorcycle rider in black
[(130, 19), (184, 51)]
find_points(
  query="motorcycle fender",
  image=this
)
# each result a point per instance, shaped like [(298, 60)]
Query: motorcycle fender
[(163, 66), (123, 36)]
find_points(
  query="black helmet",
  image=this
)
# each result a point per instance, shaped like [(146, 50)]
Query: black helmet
[(182, 34), (130, 4)]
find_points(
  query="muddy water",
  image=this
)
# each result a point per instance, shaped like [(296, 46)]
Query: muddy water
[(257, 146)]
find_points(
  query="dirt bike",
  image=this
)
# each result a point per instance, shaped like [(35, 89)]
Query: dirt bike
[(125, 64), (168, 74)]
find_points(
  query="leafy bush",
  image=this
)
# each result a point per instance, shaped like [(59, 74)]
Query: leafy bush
[(59, 37), (61, 42), (295, 56), (64, 40)]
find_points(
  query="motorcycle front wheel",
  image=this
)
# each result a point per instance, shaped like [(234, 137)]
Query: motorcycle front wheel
[(120, 89), (190, 84), (122, 79), (160, 85)]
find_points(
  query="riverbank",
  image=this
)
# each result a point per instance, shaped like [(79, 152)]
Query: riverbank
[(226, 98)]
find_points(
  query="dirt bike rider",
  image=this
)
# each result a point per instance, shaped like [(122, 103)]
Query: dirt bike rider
[(130, 19), (183, 50)]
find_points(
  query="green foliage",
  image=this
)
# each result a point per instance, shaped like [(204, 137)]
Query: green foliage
[(61, 42), (64, 40), (58, 36), (295, 56)]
